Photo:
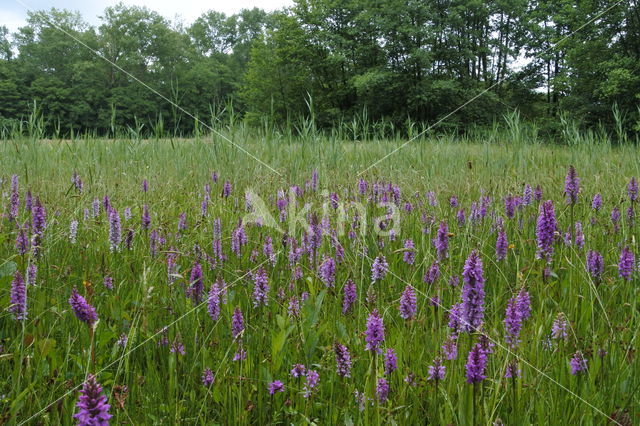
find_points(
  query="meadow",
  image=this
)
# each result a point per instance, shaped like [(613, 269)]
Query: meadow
[(460, 281)]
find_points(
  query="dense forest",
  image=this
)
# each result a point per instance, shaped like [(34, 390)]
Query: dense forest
[(331, 61)]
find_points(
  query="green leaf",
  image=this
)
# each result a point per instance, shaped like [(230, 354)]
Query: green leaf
[(8, 268), (45, 346)]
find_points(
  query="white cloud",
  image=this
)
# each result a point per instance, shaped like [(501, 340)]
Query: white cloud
[(190, 10), (12, 19)]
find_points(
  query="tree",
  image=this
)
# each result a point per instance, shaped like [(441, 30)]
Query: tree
[(285, 71), (391, 61), (142, 43), (5, 45)]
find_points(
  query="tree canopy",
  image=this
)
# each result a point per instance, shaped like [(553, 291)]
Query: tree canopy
[(334, 60)]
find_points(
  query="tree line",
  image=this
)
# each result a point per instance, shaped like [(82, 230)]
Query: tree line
[(329, 61)]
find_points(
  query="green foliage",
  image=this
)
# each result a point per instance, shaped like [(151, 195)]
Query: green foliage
[(46, 357), (401, 61)]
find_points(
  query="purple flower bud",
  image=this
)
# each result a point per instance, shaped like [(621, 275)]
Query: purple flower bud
[(312, 379), (204, 205), (559, 327), (572, 186), (431, 198), (501, 245), (512, 370), (545, 230), (177, 347), (408, 305), (626, 264), (379, 268), (350, 295), (154, 240), (294, 307), (327, 272), (455, 318), (240, 355), (595, 264), (461, 218), (207, 377), (267, 250), (213, 302), (314, 180), (106, 203), (441, 242), (363, 186), (632, 190), (537, 194), (122, 340), (146, 217), (437, 370), (513, 322), (182, 222), (196, 284), (374, 336), (83, 310), (73, 231), (226, 190), (298, 370), (260, 287), (238, 239), (409, 255), (382, 390), (128, 240), (92, 404), (524, 303), (18, 299), (578, 363), (596, 203), (276, 386), (476, 364), (390, 361), (237, 323), (115, 230), (579, 239), (527, 195), (95, 208), (14, 203), (32, 274), (22, 240), (38, 218), (343, 360), (450, 348), (432, 274), (509, 206), (615, 218), (472, 310), (108, 282)]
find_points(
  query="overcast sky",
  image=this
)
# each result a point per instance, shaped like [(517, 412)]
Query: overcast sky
[(13, 13)]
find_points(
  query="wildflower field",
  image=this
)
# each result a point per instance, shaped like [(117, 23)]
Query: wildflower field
[(183, 281)]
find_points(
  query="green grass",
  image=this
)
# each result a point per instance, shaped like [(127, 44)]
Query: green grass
[(45, 357)]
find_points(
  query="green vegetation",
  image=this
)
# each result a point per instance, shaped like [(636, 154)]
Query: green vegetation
[(46, 357), (380, 65), (252, 193)]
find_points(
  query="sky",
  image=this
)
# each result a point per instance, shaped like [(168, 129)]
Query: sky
[(13, 13)]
